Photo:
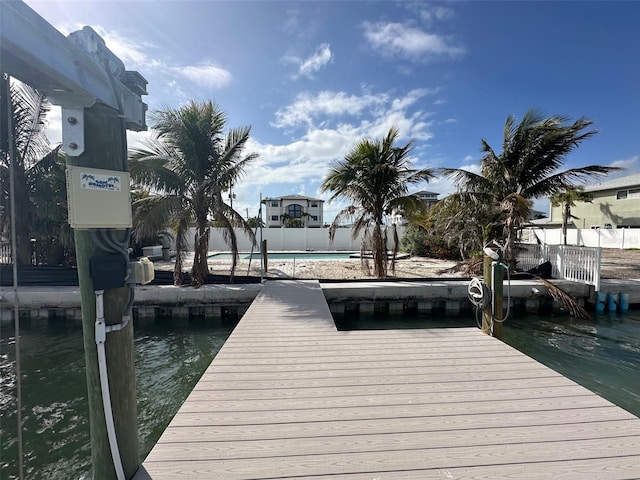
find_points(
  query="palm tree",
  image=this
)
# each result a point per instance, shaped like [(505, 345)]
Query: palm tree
[(39, 178), (374, 177), (461, 223), (528, 167), (189, 164), (568, 199)]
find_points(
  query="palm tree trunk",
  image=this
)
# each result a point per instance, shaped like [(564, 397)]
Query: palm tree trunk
[(565, 220), (200, 268), (379, 252), (177, 267)]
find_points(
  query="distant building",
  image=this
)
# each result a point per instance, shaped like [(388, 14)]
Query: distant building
[(615, 204), (294, 211), (429, 199)]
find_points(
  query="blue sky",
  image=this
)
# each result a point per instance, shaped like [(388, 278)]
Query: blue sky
[(312, 78)]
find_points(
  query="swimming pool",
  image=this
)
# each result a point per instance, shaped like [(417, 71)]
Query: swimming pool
[(287, 256)]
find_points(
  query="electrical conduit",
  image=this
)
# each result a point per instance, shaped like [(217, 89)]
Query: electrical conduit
[(101, 337)]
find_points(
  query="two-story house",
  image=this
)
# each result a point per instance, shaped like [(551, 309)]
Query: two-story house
[(294, 211), (615, 204), (429, 199)]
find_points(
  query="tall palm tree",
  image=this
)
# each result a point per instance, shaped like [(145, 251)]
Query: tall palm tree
[(566, 200), (189, 164), (533, 151), (374, 177), (39, 179)]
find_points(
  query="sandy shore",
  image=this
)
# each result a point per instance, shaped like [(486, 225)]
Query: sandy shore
[(615, 264), (414, 267)]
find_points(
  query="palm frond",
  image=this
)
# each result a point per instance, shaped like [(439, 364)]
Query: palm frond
[(567, 300), (154, 213)]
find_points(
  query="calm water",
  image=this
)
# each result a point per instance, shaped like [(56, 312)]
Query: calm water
[(602, 354), (170, 358)]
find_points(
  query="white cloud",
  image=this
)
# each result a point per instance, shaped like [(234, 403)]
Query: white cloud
[(431, 13), (320, 109), (291, 21), (627, 163), (205, 75), (307, 107), (53, 125), (308, 157), (401, 40), (317, 61)]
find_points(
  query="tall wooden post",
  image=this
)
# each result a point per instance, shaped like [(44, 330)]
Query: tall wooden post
[(492, 313), (105, 147), (487, 314)]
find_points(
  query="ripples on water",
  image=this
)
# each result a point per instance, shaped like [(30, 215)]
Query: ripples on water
[(170, 358), (602, 354)]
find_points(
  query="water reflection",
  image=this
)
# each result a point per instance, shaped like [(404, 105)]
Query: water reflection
[(170, 358)]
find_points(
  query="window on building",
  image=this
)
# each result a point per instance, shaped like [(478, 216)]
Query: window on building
[(634, 193), (314, 218), (275, 204), (294, 211), (314, 204), (621, 195), (274, 218)]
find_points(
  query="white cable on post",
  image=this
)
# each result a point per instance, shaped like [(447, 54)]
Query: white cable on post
[(101, 337)]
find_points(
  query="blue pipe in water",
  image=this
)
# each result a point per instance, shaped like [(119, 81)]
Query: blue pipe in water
[(601, 299), (624, 302), (612, 302)]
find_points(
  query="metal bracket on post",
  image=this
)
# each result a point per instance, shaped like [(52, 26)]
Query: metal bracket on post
[(71, 72), (73, 131)]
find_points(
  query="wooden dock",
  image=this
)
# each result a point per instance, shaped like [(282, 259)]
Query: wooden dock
[(288, 396)]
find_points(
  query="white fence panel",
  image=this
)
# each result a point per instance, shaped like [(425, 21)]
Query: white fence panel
[(586, 237), (283, 239)]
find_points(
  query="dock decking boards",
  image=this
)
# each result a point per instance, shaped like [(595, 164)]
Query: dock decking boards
[(288, 396)]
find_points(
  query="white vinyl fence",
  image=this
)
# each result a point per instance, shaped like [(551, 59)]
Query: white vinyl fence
[(585, 237), (578, 264), (291, 239)]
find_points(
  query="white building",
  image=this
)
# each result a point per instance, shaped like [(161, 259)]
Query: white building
[(428, 198), (294, 211)]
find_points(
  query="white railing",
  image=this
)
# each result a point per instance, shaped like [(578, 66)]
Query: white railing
[(578, 264)]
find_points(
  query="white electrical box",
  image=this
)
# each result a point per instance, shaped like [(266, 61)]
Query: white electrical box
[(143, 270), (98, 198)]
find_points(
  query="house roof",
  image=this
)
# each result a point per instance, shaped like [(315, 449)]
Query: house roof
[(294, 197), (425, 192), (622, 182)]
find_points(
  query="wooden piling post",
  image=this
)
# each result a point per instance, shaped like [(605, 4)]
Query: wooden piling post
[(105, 147), (492, 313)]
